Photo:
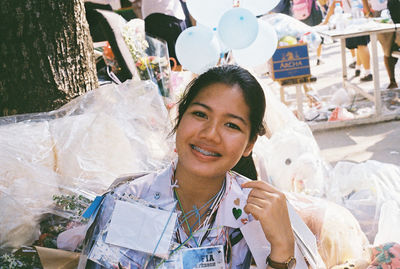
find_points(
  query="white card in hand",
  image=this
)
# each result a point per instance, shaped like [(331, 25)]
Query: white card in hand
[(141, 228)]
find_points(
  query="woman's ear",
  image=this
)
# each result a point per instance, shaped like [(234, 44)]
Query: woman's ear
[(249, 147)]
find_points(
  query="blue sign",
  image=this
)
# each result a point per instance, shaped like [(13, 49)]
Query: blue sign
[(291, 62)]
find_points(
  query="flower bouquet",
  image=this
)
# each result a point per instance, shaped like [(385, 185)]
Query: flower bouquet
[(149, 54)]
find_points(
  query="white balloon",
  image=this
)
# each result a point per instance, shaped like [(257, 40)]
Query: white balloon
[(238, 28), (208, 12), (259, 7), (261, 50), (197, 49), (223, 48)]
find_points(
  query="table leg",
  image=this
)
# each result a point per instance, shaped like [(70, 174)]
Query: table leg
[(375, 72), (344, 64), (299, 98)]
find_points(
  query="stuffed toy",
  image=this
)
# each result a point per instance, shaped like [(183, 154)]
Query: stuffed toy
[(292, 162), (339, 236)]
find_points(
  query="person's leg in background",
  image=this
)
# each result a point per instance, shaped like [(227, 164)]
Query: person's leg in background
[(390, 63), (352, 43), (363, 51), (354, 58), (357, 62), (387, 42)]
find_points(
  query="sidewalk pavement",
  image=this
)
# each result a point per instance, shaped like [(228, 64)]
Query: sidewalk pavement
[(380, 141)]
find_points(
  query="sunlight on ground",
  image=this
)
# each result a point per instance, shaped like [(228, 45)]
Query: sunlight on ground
[(357, 152)]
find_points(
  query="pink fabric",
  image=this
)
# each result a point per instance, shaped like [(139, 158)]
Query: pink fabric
[(386, 256)]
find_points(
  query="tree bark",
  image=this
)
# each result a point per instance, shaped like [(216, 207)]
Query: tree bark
[(46, 55)]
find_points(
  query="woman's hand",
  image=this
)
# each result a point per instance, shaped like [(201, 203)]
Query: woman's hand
[(268, 205)]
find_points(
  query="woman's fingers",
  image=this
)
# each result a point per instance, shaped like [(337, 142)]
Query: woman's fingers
[(254, 210), (260, 202), (262, 185), (268, 205)]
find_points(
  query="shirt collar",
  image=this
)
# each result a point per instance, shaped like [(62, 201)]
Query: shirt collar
[(231, 209), (161, 192)]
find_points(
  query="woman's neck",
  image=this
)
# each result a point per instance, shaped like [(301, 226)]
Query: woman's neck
[(195, 193), (195, 190)]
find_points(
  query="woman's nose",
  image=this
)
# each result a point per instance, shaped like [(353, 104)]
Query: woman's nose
[(211, 132)]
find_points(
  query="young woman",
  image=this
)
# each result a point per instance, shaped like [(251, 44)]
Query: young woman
[(219, 119)]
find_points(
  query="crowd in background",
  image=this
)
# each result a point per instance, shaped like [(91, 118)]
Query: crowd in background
[(167, 19)]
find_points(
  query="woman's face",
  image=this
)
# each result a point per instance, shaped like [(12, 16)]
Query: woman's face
[(214, 132)]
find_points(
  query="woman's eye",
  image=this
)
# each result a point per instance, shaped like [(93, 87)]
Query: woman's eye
[(199, 114), (233, 126)]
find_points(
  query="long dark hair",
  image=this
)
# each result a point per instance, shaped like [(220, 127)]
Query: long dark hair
[(254, 97)]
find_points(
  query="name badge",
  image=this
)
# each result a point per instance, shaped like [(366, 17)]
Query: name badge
[(203, 257)]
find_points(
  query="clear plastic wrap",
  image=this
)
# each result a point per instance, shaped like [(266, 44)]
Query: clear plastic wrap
[(19, 226), (339, 236), (285, 25), (96, 248), (389, 220), (118, 130), (27, 186), (293, 163), (363, 188), (291, 156), (56, 162), (149, 54)]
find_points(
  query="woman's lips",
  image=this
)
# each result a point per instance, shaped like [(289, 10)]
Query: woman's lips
[(205, 152)]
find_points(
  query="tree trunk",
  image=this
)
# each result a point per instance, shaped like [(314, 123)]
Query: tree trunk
[(46, 55)]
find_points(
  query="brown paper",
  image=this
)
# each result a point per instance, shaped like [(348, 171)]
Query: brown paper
[(57, 258)]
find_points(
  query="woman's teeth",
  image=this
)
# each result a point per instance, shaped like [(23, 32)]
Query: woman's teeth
[(205, 152)]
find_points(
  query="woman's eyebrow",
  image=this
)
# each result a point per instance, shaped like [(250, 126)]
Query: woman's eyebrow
[(203, 105), (228, 114), (237, 117)]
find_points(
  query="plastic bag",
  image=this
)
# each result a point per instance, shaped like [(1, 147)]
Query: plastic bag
[(113, 131), (149, 54), (293, 163), (389, 221), (363, 188), (339, 236), (290, 159), (108, 255), (285, 25), (56, 162), (70, 239), (18, 226)]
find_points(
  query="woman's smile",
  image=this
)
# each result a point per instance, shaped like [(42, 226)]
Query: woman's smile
[(205, 152)]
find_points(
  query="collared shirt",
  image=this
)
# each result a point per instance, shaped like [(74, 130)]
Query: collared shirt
[(157, 189)]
